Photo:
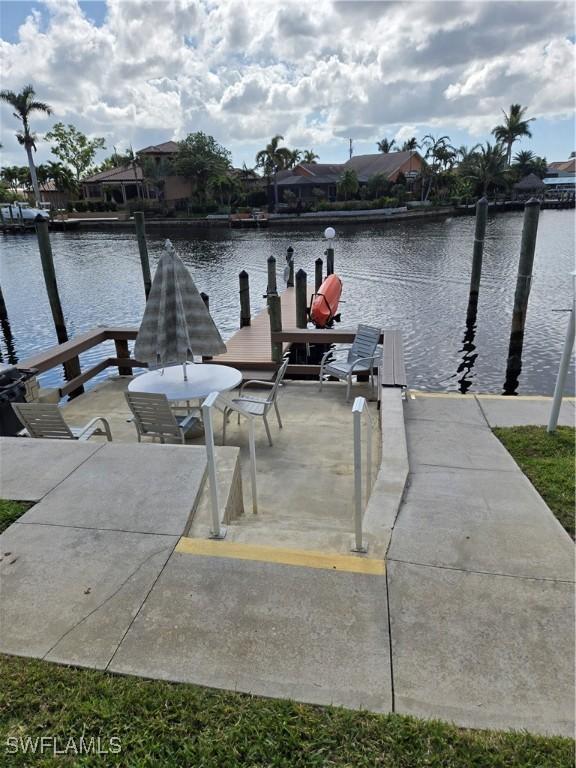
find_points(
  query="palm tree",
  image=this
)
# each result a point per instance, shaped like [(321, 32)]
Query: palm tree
[(273, 159), (24, 104), (294, 158), (62, 177), (310, 157), (489, 167), (440, 156), (11, 175), (348, 183), (385, 146), (526, 162), (410, 144), (515, 126)]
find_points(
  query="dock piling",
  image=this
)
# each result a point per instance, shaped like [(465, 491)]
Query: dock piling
[(523, 285), (272, 287), (329, 253), (318, 264), (244, 281), (477, 252), (290, 260), (71, 367), (275, 312), (301, 299), (3, 310), (143, 249)]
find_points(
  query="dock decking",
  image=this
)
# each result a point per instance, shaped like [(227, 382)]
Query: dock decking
[(249, 349)]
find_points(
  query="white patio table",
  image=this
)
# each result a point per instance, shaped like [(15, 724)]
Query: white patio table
[(203, 378)]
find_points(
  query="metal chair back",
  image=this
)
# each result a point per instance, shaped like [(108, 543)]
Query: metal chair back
[(279, 377), (152, 414), (365, 342), (43, 420)]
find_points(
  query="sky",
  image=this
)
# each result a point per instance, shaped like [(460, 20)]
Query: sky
[(139, 72)]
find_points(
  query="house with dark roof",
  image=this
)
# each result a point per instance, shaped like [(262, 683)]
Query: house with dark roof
[(306, 177), (148, 179), (151, 178)]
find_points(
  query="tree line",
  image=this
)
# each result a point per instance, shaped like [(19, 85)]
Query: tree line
[(447, 171)]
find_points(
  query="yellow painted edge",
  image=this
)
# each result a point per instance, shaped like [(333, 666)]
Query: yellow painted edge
[(454, 395), (298, 557)]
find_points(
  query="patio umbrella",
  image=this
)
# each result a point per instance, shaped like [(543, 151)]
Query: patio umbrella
[(176, 324)]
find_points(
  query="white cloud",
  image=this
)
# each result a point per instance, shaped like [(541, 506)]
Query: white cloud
[(158, 69)]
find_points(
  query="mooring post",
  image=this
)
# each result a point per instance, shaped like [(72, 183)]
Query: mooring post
[(11, 214), (20, 215), (275, 312), (272, 287), (329, 253), (71, 367), (1, 217), (523, 284), (143, 248), (329, 234), (301, 299), (318, 264), (477, 251), (290, 260), (244, 281), (206, 299), (3, 310), (564, 362)]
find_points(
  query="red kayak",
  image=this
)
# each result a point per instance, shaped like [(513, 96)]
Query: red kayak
[(325, 303)]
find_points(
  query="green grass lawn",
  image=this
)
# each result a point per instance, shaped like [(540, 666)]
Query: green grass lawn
[(173, 724), (548, 460), (10, 511)]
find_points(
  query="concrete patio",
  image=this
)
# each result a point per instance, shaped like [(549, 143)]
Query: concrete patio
[(470, 619)]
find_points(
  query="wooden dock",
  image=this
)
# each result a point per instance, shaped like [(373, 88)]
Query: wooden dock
[(249, 349)]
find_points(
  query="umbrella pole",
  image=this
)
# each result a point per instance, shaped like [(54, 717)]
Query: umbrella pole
[(185, 372)]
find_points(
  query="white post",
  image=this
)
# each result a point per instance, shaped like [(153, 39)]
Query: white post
[(218, 531), (564, 362), (358, 511), (252, 440), (368, 456)]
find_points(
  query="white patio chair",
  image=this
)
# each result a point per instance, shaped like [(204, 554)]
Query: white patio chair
[(153, 417), (361, 358), (45, 420), (259, 406)]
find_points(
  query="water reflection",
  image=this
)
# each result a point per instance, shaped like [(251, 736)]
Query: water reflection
[(10, 346), (469, 356)]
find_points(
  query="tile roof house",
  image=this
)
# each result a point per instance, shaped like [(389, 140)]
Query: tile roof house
[(303, 178), (562, 168), (152, 179)]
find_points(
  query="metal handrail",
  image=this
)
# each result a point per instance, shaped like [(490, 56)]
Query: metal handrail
[(225, 403), (359, 409)]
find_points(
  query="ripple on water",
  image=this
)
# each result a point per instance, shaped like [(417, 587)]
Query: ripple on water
[(408, 275)]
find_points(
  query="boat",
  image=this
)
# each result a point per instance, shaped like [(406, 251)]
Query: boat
[(22, 213), (324, 306)]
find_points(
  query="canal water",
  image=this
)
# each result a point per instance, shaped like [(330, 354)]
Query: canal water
[(408, 275)]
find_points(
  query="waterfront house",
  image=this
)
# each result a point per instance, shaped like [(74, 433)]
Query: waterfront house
[(561, 168), (304, 178), (151, 178)]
